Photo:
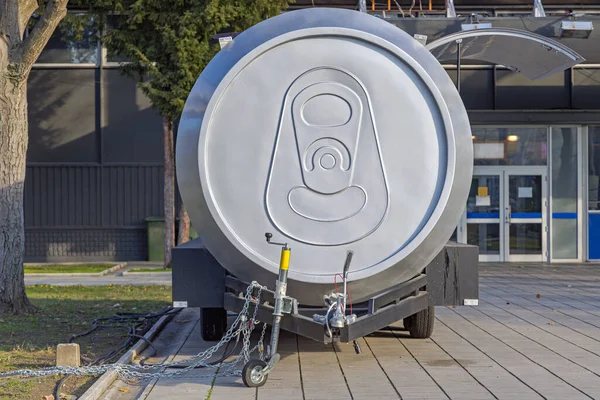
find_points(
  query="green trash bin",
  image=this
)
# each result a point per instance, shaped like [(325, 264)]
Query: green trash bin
[(193, 233), (156, 238)]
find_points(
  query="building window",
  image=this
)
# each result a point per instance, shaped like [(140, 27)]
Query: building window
[(62, 118), (594, 193), (594, 168), (131, 128), (564, 193), (70, 45), (510, 146)]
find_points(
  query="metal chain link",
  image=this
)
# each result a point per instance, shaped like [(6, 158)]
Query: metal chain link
[(129, 372)]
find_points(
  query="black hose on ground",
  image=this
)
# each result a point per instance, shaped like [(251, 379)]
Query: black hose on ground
[(133, 322)]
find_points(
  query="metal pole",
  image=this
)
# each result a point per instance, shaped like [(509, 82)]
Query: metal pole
[(458, 48), (538, 9), (346, 269), (280, 291), (450, 10), (362, 6)]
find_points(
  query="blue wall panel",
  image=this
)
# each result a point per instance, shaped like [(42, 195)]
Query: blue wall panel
[(594, 237)]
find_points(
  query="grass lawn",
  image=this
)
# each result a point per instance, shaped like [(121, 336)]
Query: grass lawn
[(150, 270), (30, 341), (63, 269)]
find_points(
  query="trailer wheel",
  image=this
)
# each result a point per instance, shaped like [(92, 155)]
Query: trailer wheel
[(420, 324), (214, 323), (406, 322), (252, 373)]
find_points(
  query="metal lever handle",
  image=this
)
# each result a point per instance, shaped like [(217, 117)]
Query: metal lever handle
[(347, 263), (345, 276), (269, 236)]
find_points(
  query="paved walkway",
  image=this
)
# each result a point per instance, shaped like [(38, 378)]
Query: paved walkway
[(535, 335), (101, 280), (114, 279)]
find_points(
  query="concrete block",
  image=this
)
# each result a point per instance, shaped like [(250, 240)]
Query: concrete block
[(67, 355)]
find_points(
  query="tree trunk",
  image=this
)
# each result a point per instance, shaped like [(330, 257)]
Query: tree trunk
[(184, 225), (17, 56), (169, 193), (13, 149)]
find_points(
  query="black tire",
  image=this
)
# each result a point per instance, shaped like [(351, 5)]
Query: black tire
[(214, 323), (421, 323), (406, 322), (251, 373)]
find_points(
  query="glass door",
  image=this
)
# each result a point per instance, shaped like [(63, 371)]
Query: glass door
[(524, 212), (506, 214), (483, 227)]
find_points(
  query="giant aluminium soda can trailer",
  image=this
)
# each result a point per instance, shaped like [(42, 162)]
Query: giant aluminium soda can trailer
[(342, 137), (344, 140), (336, 131)]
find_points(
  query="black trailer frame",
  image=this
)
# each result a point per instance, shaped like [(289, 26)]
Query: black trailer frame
[(392, 306), (451, 279)]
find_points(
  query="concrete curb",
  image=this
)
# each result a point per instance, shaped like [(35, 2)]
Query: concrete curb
[(113, 269), (107, 379), (162, 273), (107, 271)]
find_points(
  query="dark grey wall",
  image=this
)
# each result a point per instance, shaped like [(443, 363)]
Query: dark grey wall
[(94, 170)]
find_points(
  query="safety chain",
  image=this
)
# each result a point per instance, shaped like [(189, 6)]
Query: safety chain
[(130, 372)]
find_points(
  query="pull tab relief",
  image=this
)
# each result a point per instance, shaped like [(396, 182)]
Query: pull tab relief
[(327, 183)]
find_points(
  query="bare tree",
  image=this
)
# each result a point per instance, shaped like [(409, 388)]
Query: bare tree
[(17, 55), (184, 225)]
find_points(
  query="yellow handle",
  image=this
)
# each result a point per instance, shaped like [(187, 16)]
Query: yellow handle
[(284, 264)]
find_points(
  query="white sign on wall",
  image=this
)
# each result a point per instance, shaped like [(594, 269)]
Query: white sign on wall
[(525, 192), (482, 201), (482, 151)]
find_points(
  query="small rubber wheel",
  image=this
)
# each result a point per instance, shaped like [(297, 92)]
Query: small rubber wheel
[(252, 373), (214, 323), (421, 323)]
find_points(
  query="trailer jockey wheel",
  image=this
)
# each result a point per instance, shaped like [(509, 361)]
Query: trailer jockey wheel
[(420, 325), (252, 374), (213, 323)]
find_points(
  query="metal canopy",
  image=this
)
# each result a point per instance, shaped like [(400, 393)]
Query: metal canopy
[(534, 55)]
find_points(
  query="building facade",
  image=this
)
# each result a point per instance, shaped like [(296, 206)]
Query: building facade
[(534, 194), (94, 171), (94, 163)]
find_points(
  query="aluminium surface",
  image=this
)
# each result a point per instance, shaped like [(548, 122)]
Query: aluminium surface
[(293, 128)]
